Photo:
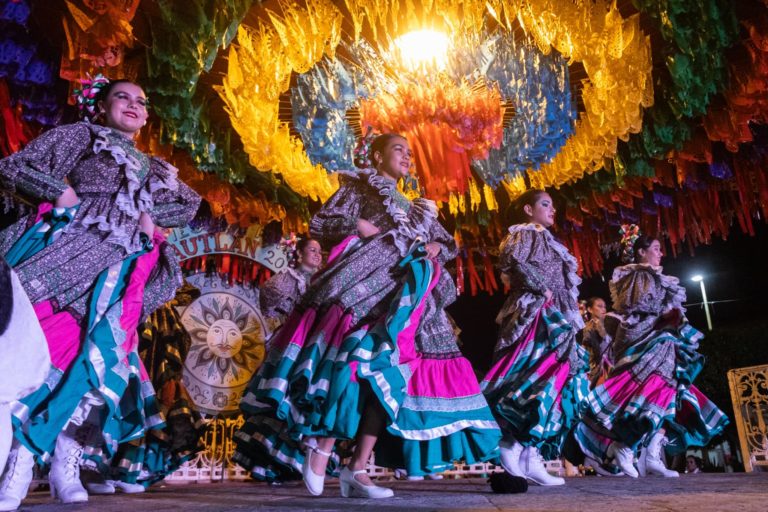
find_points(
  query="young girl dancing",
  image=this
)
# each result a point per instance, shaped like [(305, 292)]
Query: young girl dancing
[(539, 375), (649, 399), (369, 353)]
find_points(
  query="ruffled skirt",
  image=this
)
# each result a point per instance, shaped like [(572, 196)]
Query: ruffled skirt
[(325, 366), (94, 360), (632, 404), (535, 388)]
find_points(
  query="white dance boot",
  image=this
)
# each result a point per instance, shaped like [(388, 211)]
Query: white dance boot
[(510, 457), (651, 461), (313, 481), (351, 487), (64, 476), (625, 458), (533, 468), (17, 477)]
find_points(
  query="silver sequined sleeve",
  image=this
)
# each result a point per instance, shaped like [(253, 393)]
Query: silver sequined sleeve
[(38, 170)]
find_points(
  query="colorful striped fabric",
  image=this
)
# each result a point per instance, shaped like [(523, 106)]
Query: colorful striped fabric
[(533, 389), (98, 366), (629, 407), (312, 385)]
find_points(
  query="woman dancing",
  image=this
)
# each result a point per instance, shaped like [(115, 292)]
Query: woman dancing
[(597, 342), (649, 399), (92, 266), (539, 375), (369, 353), (281, 292)]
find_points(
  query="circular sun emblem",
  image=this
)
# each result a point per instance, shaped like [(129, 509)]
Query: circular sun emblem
[(227, 348)]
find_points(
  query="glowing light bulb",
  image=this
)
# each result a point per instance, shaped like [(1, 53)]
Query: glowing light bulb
[(422, 49)]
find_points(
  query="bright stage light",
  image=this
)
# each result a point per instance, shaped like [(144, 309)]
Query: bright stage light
[(697, 278), (423, 48)]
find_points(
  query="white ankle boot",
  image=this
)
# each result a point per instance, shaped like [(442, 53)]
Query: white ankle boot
[(625, 458), (651, 461), (533, 468), (351, 487), (510, 457), (17, 477), (313, 481), (64, 476)]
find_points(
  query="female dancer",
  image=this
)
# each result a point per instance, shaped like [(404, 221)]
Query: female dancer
[(596, 341), (649, 394), (369, 353), (92, 266), (278, 297), (539, 378), (281, 292)]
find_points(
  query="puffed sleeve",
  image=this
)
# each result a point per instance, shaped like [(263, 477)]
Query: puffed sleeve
[(38, 170), (337, 218), (437, 233), (636, 289), (278, 295), (514, 255), (174, 204)]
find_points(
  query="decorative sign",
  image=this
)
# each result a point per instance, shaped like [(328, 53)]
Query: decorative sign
[(191, 243), (228, 334)]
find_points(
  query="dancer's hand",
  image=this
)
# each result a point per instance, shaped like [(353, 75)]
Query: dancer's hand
[(548, 295), (366, 229), (146, 225), (433, 249), (67, 199)]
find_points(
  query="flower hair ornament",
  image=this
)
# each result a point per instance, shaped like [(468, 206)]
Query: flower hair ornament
[(629, 235), (288, 246), (86, 95), (362, 152)]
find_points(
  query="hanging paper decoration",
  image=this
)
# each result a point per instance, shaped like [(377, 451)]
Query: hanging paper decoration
[(260, 67), (538, 86), (612, 49), (447, 126), (27, 66), (319, 103), (97, 34)]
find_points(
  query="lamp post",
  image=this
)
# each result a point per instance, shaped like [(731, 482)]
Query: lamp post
[(698, 278)]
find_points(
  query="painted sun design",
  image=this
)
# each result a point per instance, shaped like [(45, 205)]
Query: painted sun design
[(226, 345)]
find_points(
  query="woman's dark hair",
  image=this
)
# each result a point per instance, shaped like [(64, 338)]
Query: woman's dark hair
[(643, 242), (301, 244), (591, 301), (529, 197), (379, 143)]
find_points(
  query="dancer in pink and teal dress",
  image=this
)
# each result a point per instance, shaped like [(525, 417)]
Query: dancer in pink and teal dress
[(539, 374), (369, 353), (649, 400), (92, 266), (279, 295)]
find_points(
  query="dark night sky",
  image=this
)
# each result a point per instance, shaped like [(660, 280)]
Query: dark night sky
[(735, 269)]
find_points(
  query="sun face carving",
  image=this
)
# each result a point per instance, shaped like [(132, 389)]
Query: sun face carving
[(226, 341)]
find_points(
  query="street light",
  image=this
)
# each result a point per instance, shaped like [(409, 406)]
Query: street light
[(698, 278)]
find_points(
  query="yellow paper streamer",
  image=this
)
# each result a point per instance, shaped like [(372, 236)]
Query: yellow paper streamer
[(613, 50)]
